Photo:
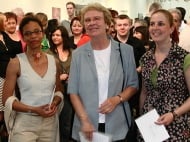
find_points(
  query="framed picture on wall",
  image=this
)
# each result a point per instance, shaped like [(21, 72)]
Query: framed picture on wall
[(56, 13)]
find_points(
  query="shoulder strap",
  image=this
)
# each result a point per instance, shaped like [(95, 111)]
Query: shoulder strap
[(125, 113)]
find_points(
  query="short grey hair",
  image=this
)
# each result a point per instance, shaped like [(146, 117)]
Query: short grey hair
[(176, 11)]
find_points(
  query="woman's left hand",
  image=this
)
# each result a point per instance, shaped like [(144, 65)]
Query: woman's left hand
[(46, 110), (165, 119), (109, 105), (64, 76)]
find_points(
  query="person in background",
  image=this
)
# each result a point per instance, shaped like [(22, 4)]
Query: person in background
[(29, 14), (61, 49), (4, 59), (70, 6), (52, 24), (184, 31), (177, 18), (114, 13), (44, 19), (141, 32), (140, 22), (183, 21), (183, 35), (95, 79), (37, 75), (79, 36), (111, 30), (166, 79), (20, 15), (153, 7), (123, 26), (12, 37)]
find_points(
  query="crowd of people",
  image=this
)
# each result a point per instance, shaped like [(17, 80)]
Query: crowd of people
[(97, 71)]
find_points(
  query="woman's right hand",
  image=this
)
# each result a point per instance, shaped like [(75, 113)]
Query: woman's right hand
[(64, 76), (87, 129), (45, 111)]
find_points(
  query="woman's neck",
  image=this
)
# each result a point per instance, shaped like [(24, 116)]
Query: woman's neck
[(34, 55), (77, 38), (60, 47), (163, 47), (100, 43), (13, 35)]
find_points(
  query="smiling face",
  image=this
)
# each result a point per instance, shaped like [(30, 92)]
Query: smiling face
[(57, 38), (123, 26), (137, 35), (76, 27), (94, 23), (10, 25), (160, 27)]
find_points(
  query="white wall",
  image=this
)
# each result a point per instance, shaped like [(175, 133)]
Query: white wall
[(178, 3), (130, 7), (33, 6)]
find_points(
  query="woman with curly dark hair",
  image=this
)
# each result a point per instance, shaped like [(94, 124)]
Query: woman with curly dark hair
[(61, 48)]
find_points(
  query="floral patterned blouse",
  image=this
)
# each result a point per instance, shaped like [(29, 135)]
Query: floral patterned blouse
[(166, 88)]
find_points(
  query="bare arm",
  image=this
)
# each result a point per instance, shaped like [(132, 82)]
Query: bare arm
[(13, 71), (57, 99), (142, 97), (11, 77), (111, 103)]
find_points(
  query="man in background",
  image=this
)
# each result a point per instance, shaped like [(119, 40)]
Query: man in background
[(70, 6)]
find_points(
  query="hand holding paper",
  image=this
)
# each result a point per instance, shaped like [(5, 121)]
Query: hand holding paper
[(51, 99), (150, 131), (97, 137)]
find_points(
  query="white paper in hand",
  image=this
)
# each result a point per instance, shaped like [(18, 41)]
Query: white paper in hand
[(52, 96), (150, 131), (97, 137)]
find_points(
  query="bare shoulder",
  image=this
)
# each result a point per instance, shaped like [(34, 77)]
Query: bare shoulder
[(13, 66)]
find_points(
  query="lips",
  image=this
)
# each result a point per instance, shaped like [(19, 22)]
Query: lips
[(34, 42)]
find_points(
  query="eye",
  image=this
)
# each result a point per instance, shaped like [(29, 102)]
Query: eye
[(28, 33), (161, 24), (97, 18), (152, 23), (87, 20), (37, 31)]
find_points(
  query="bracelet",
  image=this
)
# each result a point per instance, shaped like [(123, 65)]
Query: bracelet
[(175, 115), (121, 99), (83, 117)]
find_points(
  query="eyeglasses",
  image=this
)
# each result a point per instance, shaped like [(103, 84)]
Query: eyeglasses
[(29, 33)]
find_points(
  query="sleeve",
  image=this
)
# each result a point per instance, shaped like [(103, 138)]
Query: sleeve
[(131, 77), (73, 76), (186, 62)]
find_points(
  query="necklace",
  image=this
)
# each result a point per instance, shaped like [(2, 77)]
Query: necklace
[(37, 56)]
